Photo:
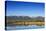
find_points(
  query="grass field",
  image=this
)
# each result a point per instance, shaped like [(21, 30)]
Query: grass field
[(27, 23)]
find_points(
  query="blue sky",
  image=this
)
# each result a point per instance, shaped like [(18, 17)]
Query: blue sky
[(17, 8)]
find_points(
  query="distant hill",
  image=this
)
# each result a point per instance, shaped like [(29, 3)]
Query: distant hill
[(23, 18), (18, 17)]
